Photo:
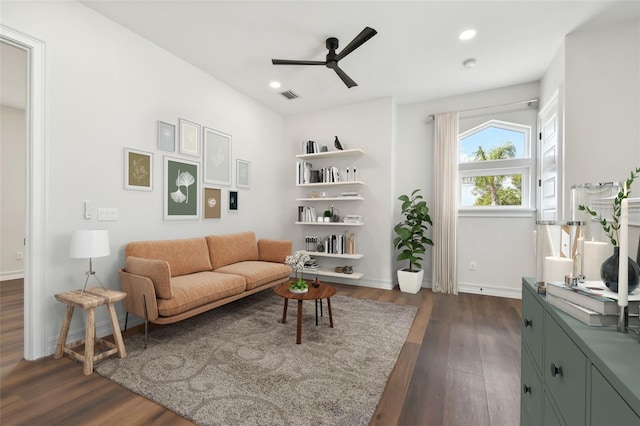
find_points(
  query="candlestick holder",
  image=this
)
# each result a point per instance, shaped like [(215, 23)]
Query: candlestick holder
[(558, 251)]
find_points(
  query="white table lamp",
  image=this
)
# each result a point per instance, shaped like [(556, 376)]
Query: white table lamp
[(89, 244)]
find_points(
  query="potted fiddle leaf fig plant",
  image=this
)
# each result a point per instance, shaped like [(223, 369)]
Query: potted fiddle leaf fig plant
[(412, 241)]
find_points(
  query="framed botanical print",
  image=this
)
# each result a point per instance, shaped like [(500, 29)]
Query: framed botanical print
[(243, 172), (138, 170), (166, 136), (189, 138), (233, 200), (212, 203), (181, 189), (217, 157)]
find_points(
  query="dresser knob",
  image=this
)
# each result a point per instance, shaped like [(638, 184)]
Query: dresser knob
[(555, 370), (526, 389), (528, 322)]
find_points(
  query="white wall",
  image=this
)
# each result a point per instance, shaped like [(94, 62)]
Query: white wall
[(368, 126), (13, 155), (106, 88), (602, 107), (501, 247)]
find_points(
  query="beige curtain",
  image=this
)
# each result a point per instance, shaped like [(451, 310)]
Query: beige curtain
[(445, 208)]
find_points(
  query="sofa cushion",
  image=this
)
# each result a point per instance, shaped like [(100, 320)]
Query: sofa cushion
[(156, 270), (257, 273), (231, 248), (273, 250), (193, 290), (185, 256)]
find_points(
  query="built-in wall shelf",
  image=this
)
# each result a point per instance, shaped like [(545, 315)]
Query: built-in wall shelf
[(331, 154), (354, 276), (331, 199), (330, 223), (339, 256), (342, 183)]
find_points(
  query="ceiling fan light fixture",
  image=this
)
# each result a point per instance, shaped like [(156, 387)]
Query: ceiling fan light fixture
[(467, 34)]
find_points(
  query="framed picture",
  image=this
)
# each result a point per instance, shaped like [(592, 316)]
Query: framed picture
[(233, 200), (138, 170), (189, 138), (243, 173), (217, 157), (181, 189), (166, 136), (212, 203)]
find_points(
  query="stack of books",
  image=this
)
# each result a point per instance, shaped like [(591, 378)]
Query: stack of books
[(583, 305)]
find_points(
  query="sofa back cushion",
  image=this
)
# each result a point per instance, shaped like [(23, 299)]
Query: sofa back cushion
[(273, 250), (158, 271), (184, 256), (231, 248)]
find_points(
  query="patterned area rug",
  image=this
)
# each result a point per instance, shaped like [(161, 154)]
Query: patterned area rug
[(239, 365)]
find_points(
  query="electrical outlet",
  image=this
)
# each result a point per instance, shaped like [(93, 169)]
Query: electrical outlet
[(18, 255), (107, 214), (472, 266)]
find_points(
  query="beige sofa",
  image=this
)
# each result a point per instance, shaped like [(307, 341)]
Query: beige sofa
[(171, 280)]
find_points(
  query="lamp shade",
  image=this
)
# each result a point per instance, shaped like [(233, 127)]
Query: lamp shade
[(88, 243)]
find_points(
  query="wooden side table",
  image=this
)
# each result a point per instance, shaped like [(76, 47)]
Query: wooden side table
[(89, 300)]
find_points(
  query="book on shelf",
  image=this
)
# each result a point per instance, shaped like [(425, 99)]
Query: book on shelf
[(580, 313), (583, 297)]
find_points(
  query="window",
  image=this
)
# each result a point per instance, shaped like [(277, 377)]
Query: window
[(494, 166)]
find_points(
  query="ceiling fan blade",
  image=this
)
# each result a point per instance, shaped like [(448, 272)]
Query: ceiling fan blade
[(358, 41), (344, 77), (293, 62)]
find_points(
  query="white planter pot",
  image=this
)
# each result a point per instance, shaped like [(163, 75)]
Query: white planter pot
[(410, 282)]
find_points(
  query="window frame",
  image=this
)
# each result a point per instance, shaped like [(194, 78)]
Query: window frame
[(524, 165)]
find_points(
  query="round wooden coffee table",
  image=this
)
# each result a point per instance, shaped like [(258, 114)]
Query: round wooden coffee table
[(325, 291)]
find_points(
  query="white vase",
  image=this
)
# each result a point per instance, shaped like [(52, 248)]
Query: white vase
[(410, 282)]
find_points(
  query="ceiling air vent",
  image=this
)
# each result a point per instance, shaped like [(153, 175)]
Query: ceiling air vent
[(289, 94)]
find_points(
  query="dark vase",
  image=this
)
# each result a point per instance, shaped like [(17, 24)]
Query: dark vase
[(609, 272)]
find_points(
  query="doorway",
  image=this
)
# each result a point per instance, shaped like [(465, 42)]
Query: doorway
[(34, 229)]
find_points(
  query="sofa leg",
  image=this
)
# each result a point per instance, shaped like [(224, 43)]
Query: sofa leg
[(146, 320)]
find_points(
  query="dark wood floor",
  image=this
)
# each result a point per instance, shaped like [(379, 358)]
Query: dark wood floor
[(460, 365)]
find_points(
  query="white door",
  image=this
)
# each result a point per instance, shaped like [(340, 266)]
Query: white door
[(549, 200)]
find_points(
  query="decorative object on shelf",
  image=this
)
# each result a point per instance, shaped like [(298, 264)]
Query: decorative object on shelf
[(297, 261), (181, 186), (324, 148), (614, 273), (166, 136), (411, 240), (189, 138), (138, 170), (217, 157), (337, 144)]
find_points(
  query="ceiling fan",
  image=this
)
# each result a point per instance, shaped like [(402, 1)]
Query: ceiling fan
[(332, 57)]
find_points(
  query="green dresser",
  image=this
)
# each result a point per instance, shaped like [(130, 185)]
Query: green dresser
[(574, 374)]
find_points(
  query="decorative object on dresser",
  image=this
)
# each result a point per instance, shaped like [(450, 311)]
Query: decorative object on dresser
[(411, 240), (89, 244)]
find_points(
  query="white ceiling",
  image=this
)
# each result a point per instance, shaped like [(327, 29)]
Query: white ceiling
[(415, 56)]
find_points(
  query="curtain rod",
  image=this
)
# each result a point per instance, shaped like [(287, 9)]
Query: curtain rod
[(528, 102)]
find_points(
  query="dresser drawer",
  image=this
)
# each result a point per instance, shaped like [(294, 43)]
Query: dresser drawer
[(533, 326), (550, 415), (607, 406), (565, 373), (531, 395)]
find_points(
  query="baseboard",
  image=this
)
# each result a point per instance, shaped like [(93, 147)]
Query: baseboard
[(489, 290), (11, 275), (102, 329)]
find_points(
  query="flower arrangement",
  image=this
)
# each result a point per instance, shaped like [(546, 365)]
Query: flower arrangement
[(297, 261), (611, 228)]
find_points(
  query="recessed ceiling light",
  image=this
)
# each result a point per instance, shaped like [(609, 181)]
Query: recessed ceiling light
[(467, 34), (275, 84), (469, 63)]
